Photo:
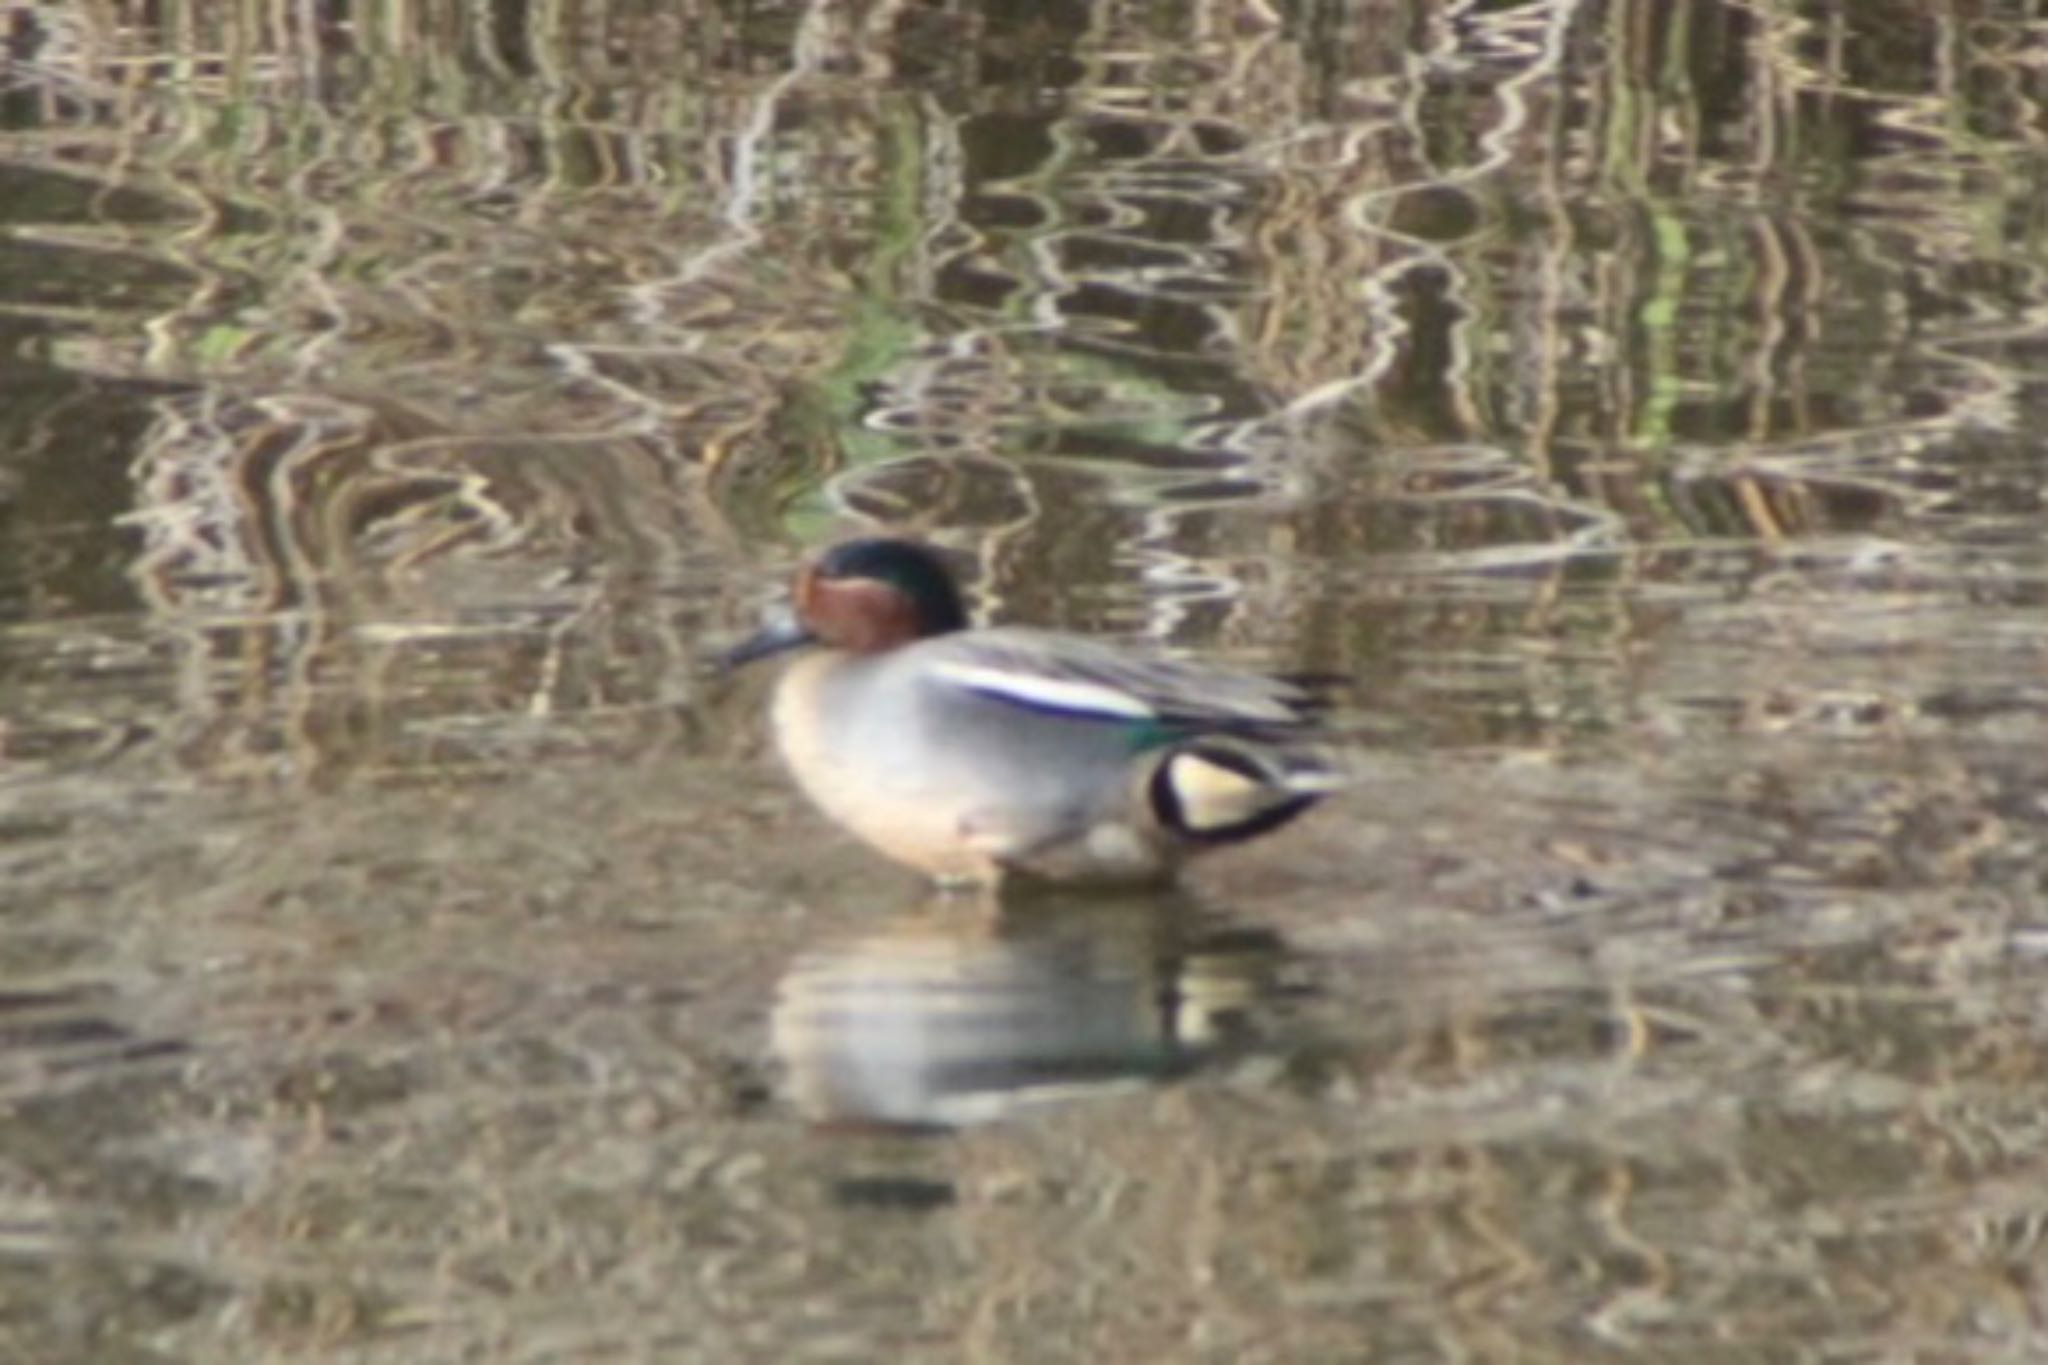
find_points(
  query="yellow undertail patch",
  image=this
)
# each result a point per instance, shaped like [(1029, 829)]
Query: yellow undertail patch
[(1212, 796)]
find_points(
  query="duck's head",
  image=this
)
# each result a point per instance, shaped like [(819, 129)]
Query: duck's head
[(863, 596)]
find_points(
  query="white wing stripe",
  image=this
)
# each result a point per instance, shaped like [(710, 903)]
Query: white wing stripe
[(1050, 694)]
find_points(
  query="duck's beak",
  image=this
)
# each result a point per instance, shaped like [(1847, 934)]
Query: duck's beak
[(773, 638)]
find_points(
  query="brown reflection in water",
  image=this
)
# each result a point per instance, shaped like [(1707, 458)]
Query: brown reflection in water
[(350, 588), (1242, 301), (1667, 1062)]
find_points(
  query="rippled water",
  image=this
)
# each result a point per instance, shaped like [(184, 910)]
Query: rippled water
[(408, 953)]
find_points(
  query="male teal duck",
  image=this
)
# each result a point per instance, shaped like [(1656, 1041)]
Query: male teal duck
[(971, 755)]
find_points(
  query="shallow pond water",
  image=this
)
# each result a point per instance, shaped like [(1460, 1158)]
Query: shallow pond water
[(409, 952)]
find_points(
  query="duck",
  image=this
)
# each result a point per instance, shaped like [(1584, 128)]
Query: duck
[(985, 757)]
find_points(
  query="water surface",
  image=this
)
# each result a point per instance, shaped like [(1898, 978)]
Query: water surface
[(409, 953)]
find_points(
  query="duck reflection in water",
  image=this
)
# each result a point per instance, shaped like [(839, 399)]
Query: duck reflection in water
[(942, 1020)]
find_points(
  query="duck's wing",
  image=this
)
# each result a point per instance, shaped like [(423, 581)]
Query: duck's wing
[(1070, 676)]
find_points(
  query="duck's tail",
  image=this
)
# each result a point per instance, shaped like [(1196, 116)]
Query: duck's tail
[(1219, 789)]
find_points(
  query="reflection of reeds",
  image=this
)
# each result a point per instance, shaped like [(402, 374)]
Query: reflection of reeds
[(464, 348), (371, 600), (1223, 312)]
